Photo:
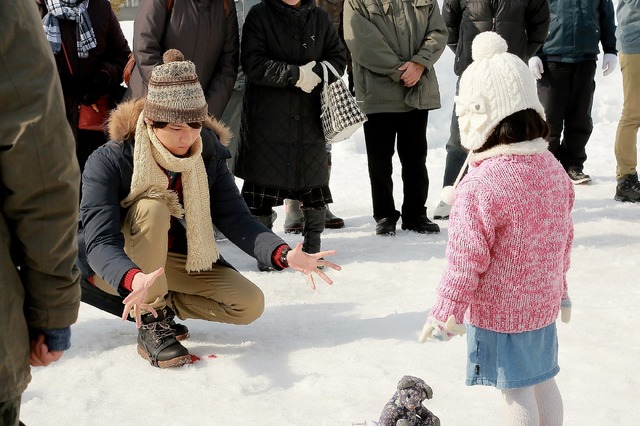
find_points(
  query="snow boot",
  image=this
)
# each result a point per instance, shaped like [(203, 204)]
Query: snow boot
[(268, 222), (157, 341), (314, 220), (442, 211), (293, 219), (331, 220), (628, 189), (112, 304)]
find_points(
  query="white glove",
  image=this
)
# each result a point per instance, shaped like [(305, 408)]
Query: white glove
[(308, 79), (609, 62), (535, 65), (436, 329), (565, 310)]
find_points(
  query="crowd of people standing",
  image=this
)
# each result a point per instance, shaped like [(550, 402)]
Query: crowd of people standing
[(220, 89)]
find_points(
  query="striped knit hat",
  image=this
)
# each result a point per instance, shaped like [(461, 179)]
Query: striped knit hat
[(175, 94)]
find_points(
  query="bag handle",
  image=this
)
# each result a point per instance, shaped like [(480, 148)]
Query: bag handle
[(325, 65), (67, 58)]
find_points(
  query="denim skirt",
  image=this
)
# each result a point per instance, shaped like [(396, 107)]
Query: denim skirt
[(515, 360)]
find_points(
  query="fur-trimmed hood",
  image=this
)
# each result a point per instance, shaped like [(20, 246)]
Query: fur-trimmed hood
[(122, 121)]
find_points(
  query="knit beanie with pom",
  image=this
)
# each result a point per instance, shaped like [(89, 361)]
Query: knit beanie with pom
[(495, 85), (175, 94)]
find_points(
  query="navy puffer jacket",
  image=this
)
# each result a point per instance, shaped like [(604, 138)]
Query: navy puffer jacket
[(576, 30), (106, 181)]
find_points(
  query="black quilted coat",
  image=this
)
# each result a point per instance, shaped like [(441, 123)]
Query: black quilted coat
[(522, 23), (281, 141)]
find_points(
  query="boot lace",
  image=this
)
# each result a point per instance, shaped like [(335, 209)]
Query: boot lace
[(160, 329)]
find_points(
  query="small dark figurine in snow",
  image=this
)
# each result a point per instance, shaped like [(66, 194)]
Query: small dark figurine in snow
[(405, 406)]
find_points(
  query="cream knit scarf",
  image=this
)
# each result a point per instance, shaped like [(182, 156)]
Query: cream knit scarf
[(149, 181)]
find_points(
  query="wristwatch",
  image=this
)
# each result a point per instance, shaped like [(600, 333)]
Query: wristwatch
[(283, 256)]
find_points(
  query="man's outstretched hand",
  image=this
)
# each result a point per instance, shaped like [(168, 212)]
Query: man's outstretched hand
[(309, 264), (136, 299)]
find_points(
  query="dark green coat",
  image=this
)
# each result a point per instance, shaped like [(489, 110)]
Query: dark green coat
[(38, 195), (382, 36)]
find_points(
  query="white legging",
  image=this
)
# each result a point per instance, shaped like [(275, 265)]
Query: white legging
[(538, 405)]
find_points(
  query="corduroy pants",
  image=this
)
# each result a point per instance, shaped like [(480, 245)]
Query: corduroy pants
[(221, 294), (627, 134)]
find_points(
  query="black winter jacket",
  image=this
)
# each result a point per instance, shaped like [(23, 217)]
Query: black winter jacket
[(109, 57), (106, 181), (281, 140), (522, 23)]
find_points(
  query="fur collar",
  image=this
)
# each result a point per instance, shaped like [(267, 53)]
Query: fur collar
[(536, 146), (122, 122)]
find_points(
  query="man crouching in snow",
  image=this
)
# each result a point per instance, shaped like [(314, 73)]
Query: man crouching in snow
[(150, 199)]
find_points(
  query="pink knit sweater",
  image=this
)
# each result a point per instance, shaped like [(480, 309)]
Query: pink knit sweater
[(510, 236)]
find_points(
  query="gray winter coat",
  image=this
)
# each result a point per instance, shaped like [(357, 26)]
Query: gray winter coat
[(628, 30), (38, 196), (202, 30)]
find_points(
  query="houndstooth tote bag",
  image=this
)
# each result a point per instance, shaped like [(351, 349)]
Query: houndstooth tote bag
[(340, 114)]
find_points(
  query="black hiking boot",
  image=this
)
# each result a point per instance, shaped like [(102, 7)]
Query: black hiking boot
[(179, 330), (93, 296), (578, 177), (628, 189), (157, 341)]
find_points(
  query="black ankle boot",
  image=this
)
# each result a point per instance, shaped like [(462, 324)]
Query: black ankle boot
[(157, 342), (312, 228)]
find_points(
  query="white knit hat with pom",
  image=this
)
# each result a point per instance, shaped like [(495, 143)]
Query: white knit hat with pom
[(495, 85)]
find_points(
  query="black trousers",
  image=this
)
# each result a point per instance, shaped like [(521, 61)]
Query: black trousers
[(381, 132), (566, 92)]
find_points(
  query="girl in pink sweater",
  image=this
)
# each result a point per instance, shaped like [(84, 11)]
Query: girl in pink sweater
[(510, 236)]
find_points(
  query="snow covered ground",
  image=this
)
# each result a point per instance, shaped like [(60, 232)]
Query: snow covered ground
[(334, 356)]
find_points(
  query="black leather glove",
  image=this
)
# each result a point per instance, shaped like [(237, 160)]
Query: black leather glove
[(94, 88)]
